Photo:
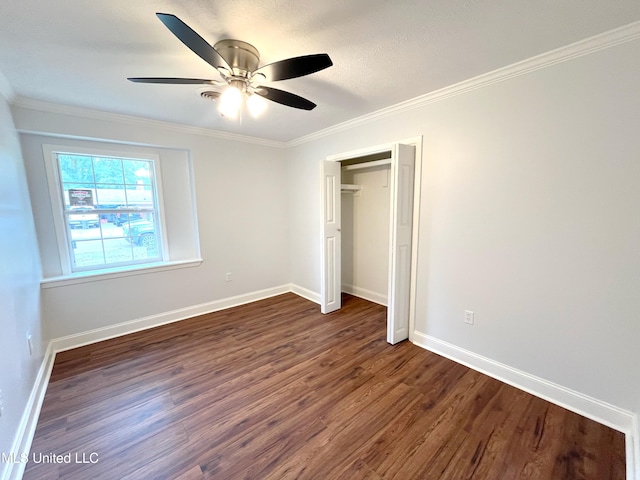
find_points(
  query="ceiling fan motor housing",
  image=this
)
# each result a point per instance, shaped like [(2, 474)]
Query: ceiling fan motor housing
[(242, 57)]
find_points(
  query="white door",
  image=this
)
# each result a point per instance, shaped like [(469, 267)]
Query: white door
[(331, 275), (402, 180)]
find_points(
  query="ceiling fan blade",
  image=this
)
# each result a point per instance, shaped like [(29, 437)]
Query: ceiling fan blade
[(285, 98), (192, 40), (295, 67), (174, 81)]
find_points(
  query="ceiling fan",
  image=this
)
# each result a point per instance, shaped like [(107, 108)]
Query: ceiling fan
[(237, 62)]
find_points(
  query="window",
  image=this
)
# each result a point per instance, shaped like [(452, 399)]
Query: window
[(106, 213), (110, 210)]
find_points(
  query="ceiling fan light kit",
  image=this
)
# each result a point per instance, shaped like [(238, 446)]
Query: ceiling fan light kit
[(256, 105), (230, 101), (237, 62)]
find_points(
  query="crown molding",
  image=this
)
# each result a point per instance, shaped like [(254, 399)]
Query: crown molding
[(569, 52), (56, 108)]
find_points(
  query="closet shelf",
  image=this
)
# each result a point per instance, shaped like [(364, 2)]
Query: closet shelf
[(345, 187), (374, 163)]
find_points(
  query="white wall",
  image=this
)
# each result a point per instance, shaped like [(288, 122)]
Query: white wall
[(19, 286), (241, 199), (529, 217), (365, 234)]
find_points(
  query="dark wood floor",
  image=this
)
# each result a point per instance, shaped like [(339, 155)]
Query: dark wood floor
[(275, 390)]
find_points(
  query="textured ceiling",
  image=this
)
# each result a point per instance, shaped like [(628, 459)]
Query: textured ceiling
[(79, 53)]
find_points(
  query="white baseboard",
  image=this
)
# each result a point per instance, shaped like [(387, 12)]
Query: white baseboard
[(350, 289), (633, 450), (305, 293), (29, 421), (374, 297), (577, 402), (112, 331), (622, 420)]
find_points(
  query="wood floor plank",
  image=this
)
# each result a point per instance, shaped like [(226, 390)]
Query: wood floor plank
[(194, 473), (276, 390)]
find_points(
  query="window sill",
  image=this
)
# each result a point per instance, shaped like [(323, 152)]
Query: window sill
[(110, 273)]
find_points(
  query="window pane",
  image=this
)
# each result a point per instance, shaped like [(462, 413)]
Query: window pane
[(117, 250), (84, 230), (140, 197), (111, 230), (122, 218), (88, 253), (108, 170), (148, 251), (142, 234), (78, 196), (75, 168), (110, 196), (137, 172), (84, 221)]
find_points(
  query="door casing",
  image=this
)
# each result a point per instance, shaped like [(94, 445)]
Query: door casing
[(330, 255)]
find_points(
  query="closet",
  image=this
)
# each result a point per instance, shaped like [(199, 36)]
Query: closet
[(367, 218), (365, 212)]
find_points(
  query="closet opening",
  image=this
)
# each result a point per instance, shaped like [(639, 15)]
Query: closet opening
[(367, 209), (365, 213)]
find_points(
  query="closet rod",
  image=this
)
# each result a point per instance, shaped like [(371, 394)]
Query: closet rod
[(374, 163)]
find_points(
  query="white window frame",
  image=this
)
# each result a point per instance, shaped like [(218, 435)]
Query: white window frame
[(58, 207)]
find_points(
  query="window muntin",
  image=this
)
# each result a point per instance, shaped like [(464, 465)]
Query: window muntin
[(110, 210)]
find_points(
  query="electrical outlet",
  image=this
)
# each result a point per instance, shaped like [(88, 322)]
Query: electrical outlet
[(30, 343), (468, 317), (229, 277)]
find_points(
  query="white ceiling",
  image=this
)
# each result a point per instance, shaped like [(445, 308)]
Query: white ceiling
[(79, 53)]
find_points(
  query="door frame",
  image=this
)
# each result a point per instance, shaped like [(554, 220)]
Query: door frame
[(416, 142)]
